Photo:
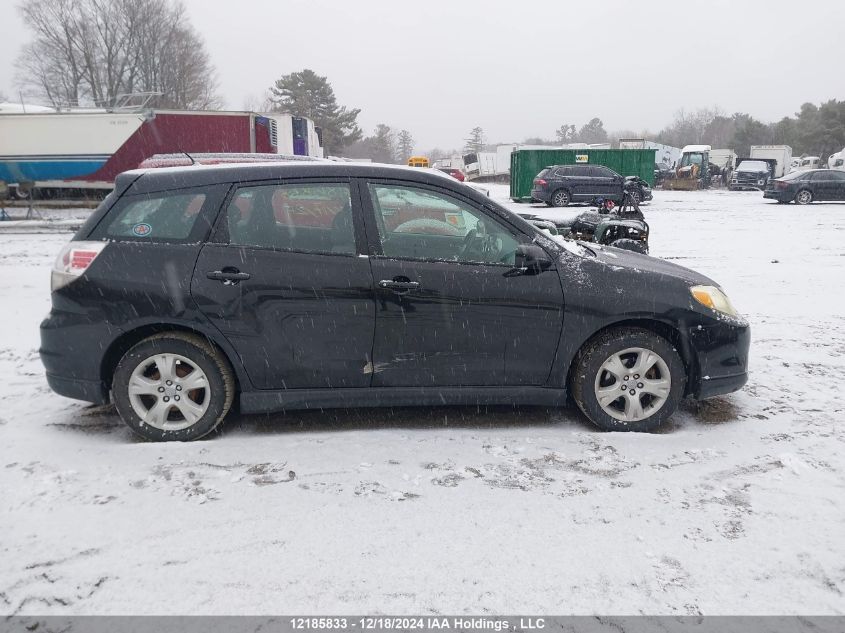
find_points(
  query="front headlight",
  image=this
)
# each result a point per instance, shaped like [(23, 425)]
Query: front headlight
[(713, 298)]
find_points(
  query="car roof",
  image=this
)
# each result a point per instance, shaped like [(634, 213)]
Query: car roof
[(167, 178)]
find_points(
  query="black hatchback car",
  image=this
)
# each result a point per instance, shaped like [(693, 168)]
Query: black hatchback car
[(808, 186), (560, 185), (312, 285)]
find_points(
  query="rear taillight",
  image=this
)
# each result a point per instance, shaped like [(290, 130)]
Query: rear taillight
[(540, 181), (73, 260), (779, 184)]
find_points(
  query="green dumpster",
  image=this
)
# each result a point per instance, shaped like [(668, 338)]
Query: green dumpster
[(527, 163)]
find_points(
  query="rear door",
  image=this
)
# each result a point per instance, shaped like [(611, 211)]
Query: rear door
[(448, 313), (284, 282)]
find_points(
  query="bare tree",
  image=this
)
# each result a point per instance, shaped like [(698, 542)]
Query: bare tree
[(90, 51)]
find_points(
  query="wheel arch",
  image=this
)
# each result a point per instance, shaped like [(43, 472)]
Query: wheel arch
[(130, 338), (662, 328)]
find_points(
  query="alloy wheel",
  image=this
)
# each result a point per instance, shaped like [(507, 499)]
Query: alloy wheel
[(560, 199), (804, 197), (633, 384), (169, 392)]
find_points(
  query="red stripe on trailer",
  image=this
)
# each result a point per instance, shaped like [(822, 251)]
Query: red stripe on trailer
[(171, 132)]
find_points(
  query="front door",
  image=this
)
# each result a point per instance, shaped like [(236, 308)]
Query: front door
[(828, 184), (447, 312), (283, 281)]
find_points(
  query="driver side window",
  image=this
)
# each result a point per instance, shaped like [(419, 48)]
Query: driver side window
[(421, 224)]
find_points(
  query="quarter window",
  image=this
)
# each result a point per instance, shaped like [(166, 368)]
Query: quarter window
[(152, 217), (301, 217), (421, 224)]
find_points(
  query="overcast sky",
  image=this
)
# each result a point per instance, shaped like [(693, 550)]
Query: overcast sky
[(520, 68)]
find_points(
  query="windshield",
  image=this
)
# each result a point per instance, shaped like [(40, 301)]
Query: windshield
[(691, 159), (753, 165)]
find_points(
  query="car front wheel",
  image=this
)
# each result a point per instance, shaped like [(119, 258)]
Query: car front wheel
[(173, 387), (628, 379), (805, 196)]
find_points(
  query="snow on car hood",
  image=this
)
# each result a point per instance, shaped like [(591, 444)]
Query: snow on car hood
[(619, 259)]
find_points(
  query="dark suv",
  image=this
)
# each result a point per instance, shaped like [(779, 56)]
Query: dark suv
[(559, 185), (313, 285)]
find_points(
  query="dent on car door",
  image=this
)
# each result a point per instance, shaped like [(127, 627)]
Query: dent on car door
[(447, 312), (284, 283)]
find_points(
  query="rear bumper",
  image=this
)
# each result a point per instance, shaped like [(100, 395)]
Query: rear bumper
[(72, 349), (781, 196), (540, 195), (88, 390)]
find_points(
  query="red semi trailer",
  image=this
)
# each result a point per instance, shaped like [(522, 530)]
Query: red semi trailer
[(59, 152)]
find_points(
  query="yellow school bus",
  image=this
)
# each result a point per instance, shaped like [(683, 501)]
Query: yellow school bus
[(417, 161)]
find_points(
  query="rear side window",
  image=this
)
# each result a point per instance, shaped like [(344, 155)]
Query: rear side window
[(169, 216), (563, 171), (312, 217)]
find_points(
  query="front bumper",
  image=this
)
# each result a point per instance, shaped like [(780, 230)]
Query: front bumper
[(719, 386), (721, 352)]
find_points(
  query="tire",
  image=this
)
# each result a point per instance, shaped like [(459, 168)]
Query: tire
[(560, 198), (181, 413), (628, 346), (805, 196), (626, 244)]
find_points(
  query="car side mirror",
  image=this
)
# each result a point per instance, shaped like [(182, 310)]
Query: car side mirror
[(529, 259)]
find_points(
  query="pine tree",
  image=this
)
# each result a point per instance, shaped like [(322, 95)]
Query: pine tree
[(593, 132), (565, 133), (475, 142), (384, 144), (308, 94), (405, 144)]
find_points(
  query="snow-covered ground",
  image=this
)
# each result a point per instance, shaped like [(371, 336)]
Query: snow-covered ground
[(737, 507)]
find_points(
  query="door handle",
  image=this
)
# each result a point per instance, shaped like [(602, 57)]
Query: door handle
[(228, 276), (399, 286)]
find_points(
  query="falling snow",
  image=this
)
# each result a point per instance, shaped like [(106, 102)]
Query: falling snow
[(736, 506)]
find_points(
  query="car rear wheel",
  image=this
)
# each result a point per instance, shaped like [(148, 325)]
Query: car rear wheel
[(173, 387), (628, 379), (805, 196), (561, 198)]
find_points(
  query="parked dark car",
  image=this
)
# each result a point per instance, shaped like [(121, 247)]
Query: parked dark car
[(454, 172), (809, 186), (315, 285), (559, 185)]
